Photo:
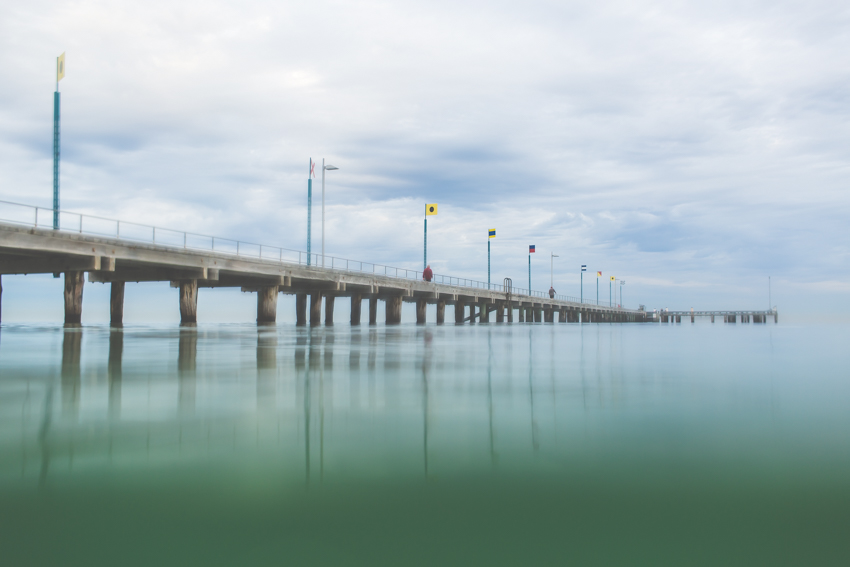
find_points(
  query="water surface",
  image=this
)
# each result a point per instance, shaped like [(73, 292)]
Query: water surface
[(499, 444)]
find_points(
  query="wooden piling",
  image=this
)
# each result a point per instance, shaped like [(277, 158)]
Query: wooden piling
[(441, 311), (188, 301), (421, 309), (74, 297), (356, 305), (393, 315), (315, 308), (329, 310), (373, 310), (266, 304), (300, 308), (116, 304), (460, 307)]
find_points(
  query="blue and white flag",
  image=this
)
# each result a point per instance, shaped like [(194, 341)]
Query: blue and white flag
[(583, 268)]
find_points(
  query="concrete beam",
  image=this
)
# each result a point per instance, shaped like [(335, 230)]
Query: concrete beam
[(49, 264)]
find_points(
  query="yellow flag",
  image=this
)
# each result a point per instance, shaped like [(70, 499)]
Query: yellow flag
[(60, 67), (431, 209), (612, 278)]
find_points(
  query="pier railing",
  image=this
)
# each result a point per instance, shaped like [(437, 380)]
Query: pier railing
[(91, 225)]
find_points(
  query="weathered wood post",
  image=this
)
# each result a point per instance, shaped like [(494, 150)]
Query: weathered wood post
[(74, 297), (484, 312), (266, 304), (356, 305), (116, 304), (329, 309), (373, 310), (393, 316), (188, 301), (441, 311), (300, 308), (421, 307), (460, 307), (315, 307)]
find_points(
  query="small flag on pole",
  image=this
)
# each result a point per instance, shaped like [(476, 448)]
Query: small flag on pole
[(598, 274), (60, 67), (612, 278), (492, 233), (583, 268), (312, 168), (531, 249), (431, 209)]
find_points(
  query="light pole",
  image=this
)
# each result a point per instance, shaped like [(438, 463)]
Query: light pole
[(310, 177), (583, 270), (552, 270), (622, 283), (60, 74), (324, 168)]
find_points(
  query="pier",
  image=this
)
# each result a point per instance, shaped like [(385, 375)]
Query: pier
[(108, 251), (725, 316)]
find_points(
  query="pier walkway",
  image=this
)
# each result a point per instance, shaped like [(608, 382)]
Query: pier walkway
[(116, 252)]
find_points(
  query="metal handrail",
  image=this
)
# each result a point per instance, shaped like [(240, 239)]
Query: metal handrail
[(137, 232)]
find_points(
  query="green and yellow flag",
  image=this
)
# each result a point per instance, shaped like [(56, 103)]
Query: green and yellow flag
[(431, 209), (60, 67)]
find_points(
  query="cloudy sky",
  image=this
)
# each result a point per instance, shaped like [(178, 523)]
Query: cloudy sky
[(690, 148)]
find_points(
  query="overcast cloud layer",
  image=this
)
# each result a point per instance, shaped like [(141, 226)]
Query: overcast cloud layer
[(691, 149)]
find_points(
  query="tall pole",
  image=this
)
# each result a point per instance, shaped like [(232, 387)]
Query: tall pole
[(56, 151), (488, 262), (425, 250), (551, 270), (323, 212), (769, 296), (309, 209), (597, 290), (581, 296), (529, 273), (610, 300)]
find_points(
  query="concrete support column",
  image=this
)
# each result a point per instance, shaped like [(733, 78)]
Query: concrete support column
[(460, 307), (116, 304), (266, 304), (441, 311), (562, 315), (472, 312), (510, 307), (776, 317), (300, 308), (188, 301), (74, 297), (538, 314), (692, 318), (548, 315), (393, 310), (712, 318), (421, 310), (521, 314), (500, 312), (373, 310), (678, 318), (356, 304), (315, 308), (329, 309)]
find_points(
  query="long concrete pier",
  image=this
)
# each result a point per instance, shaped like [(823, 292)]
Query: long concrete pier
[(726, 316), (115, 261)]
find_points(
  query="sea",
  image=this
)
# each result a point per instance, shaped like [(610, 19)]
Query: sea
[(484, 444)]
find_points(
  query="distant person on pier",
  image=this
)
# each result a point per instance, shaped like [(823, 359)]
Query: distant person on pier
[(551, 292), (427, 274)]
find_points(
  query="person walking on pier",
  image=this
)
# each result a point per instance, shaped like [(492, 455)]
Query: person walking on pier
[(551, 292), (427, 274)]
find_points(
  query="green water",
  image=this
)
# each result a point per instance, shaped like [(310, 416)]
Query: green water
[(471, 445)]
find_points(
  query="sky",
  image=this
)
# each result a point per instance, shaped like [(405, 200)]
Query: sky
[(691, 149)]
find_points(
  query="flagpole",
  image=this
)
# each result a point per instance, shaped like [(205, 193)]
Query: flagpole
[(309, 208), (597, 290), (529, 273), (56, 101), (581, 295), (610, 303), (488, 261), (425, 249)]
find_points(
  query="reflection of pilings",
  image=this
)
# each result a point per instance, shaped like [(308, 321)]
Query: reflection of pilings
[(266, 367), (187, 352), (426, 366), (113, 371), (354, 369), (43, 432), (71, 344)]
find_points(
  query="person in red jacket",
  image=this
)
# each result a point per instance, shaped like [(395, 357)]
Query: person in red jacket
[(427, 274)]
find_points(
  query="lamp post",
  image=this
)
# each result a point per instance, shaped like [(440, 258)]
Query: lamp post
[(310, 210), (552, 269), (583, 270), (324, 168), (622, 283)]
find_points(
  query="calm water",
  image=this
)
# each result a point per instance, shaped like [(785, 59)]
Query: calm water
[(487, 444)]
